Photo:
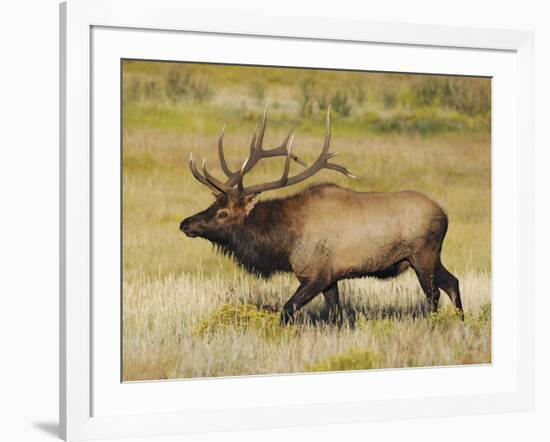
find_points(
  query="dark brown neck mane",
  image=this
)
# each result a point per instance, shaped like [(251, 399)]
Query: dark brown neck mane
[(262, 244)]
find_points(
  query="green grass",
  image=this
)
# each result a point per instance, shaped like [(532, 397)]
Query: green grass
[(189, 312), (174, 96)]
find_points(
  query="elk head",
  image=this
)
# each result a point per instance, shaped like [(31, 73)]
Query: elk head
[(234, 201)]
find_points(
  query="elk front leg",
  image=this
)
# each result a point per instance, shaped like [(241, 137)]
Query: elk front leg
[(332, 300), (305, 293)]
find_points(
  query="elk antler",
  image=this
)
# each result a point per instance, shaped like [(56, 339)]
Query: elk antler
[(256, 154)]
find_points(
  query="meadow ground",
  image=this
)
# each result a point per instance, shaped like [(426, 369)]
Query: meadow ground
[(189, 312)]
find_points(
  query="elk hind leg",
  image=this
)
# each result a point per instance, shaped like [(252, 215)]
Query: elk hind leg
[(446, 281), (332, 300), (425, 272)]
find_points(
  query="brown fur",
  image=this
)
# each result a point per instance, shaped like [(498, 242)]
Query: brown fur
[(327, 233)]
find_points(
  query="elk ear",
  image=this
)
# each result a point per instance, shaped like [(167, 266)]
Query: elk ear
[(249, 203)]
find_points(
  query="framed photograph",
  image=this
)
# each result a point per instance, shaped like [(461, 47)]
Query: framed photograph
[(223, 268)]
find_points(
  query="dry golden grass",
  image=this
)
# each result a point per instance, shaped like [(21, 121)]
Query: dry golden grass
[(196, 326), (188, 312)]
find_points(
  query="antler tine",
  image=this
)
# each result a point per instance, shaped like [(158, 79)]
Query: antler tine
[(253, 141), (201, 179), (341, 169), (260, 139), (241, 175), (327, 133), (256, 153), (253, 156), (282, 150), (284, 178), (212, 180), (221, 155)]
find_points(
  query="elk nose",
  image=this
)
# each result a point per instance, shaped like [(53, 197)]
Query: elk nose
[(184, 225)]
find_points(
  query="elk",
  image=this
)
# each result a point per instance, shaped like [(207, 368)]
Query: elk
[(323, 234)]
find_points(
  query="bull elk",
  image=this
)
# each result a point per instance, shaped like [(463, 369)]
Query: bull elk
[(324, 233)]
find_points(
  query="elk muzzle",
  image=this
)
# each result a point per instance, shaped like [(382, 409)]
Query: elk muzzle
[(190, 227)]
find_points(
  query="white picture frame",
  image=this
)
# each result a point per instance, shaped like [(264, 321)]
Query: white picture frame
[(93, 404)]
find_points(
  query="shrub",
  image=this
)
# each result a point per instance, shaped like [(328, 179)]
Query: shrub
[(244, 317), (353, 359), (445, 317), (177, 84), (180, 84), (481, 320), (340, 103), (428, 89), (467, 95)]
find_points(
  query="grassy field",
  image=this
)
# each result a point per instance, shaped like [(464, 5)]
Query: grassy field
[(189, 312)]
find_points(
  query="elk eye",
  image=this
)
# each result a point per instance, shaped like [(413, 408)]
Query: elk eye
[(223, 214)]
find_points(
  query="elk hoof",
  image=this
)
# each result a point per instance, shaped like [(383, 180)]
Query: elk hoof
[(286, 317)]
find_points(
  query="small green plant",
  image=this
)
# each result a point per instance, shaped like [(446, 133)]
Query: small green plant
[(481, 320), (445, 317), (484, 314), (353, 359), (244, 317)]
